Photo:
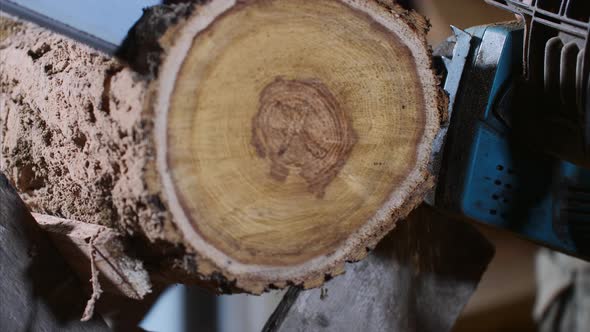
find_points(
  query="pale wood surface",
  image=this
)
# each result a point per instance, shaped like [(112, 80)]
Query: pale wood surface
[(280, 185), (294, 133)]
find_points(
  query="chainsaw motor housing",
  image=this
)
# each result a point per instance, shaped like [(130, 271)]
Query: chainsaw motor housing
[(556, 66), (492, 171)]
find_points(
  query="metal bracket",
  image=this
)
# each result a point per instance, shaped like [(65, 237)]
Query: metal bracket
[(454, 71)]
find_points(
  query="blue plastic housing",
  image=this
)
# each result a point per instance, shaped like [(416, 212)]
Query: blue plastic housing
[(490, 178)]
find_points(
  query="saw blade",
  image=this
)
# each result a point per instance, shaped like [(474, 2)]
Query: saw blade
[(101, 24), (453, 66)]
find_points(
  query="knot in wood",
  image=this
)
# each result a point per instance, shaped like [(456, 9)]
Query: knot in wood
[(300, 126)]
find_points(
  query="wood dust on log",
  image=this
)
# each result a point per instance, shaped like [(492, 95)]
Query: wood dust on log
[(72, 130)]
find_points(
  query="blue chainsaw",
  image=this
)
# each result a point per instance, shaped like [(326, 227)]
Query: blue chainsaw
[(517, 151)]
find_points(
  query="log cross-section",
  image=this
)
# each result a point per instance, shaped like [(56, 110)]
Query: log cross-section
[(271, 141)]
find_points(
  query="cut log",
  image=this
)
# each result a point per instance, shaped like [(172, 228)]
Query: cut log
[(251, 143)]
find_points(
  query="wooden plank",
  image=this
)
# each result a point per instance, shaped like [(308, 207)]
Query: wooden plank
[(38, 291), (418, 279), (119, 272)]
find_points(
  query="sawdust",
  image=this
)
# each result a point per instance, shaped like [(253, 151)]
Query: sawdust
[(8, 27), (72, 134)]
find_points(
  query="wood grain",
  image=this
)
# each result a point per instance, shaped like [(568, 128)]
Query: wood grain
[(295, 133)]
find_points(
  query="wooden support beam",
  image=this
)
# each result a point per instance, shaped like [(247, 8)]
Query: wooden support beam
[(38, 290), (419, 278), (118, 271)]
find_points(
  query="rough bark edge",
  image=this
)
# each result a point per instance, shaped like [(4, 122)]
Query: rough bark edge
[(141, 49), (312, 273)]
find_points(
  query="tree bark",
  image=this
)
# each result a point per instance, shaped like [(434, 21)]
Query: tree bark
[(250, 144)]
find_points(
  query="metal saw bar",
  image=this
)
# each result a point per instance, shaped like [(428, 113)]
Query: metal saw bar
[(102, 24)]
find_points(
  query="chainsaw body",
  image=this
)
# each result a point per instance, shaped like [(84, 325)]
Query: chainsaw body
[(493, 173)]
